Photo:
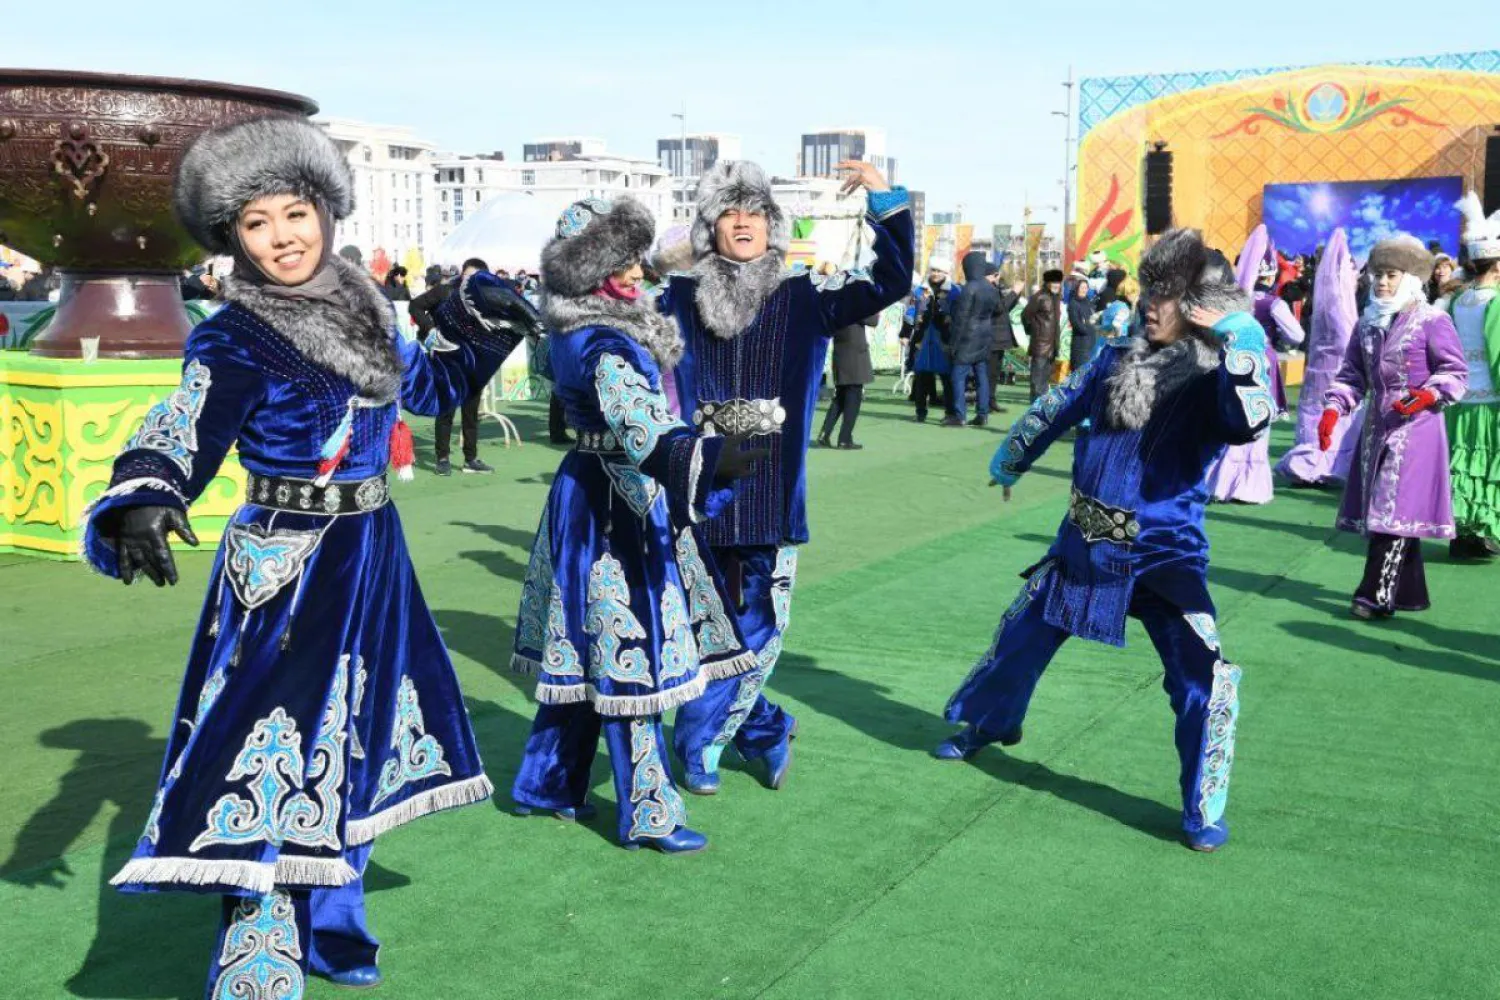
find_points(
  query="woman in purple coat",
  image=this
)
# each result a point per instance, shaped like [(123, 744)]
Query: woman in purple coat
[(1405, 360)]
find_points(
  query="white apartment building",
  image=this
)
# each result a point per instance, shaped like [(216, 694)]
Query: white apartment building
[(463, 182), (824, 148), (395, 198)]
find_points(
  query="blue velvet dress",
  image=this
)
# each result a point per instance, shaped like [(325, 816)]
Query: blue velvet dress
[(764, 381), (1132, 544), (622, 618), (319, 707)]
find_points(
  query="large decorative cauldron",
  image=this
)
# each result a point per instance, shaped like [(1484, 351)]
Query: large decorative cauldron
[(86, 167)]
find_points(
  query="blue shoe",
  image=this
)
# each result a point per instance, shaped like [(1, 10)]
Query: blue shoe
[(569, 814), (1208, 839), (779, 762), (679, 841), (970, 740), (357, 979), (702, 784)]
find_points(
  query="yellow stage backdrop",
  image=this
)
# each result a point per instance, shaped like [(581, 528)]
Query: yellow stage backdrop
[(1233, 132)]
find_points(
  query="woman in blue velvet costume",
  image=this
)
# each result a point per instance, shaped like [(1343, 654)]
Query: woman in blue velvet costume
[(319, 708), (1163, 407), (622, 617)]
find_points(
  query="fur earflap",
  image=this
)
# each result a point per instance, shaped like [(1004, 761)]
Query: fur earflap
[(638, 320), (1146, 377), (357, 342), (730, 294), (1179, 266), (577, 265), (228, 167), (740, 184)]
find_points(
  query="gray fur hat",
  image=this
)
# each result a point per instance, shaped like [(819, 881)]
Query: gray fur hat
[(1180, 266), (595, 238), (228, 167), (1402, 253), (731, 184)]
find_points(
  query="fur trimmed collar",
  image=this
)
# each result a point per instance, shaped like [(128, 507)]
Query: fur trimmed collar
[(354, 341), (638, 320), (1145, 378), (730, 294)]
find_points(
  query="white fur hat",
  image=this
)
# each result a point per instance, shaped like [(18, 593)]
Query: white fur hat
[(1481, 235), (940, 263)]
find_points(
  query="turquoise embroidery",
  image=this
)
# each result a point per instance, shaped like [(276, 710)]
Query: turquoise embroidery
[(561, 657), (609, 621), (261, 957), (418, 755), (272, 761), (656, 808), (1005, 468), (750, 686), (715, 631), (782, 579), (1206, 629), (313, 821), (531, 627), (1242, 359), (260, 561), (638, 414), (171, 426), (640, 491), (213, 686), (679, 650), (361, 675), (1218, 743)]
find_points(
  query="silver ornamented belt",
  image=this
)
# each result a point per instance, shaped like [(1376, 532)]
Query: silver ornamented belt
[(599, 443), (302, 496), (740, 416), (1099, 522)]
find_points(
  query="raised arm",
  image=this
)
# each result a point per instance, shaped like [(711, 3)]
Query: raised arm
[(482, 321), (849, 296), (1059, 408)]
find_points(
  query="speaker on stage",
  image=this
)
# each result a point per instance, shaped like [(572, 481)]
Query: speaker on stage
[(1157, 190), (1491, 192)]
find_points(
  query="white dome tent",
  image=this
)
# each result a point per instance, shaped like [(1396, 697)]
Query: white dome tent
[(507, 231)]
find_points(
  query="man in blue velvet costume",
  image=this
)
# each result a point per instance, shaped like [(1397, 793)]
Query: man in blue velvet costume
[(1163, 407), (756, 338)]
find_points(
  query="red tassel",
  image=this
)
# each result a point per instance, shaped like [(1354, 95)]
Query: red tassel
[(403, 451)]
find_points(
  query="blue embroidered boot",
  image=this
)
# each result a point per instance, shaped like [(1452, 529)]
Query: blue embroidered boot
[(702, 784), (679, 841), (779, 762), (568, 814), (1209, 838), (358, 979), (970, 740)]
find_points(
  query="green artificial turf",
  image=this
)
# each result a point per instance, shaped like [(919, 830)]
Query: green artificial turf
[(1364, 798)]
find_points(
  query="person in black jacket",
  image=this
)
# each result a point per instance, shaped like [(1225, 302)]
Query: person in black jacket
[(395, 285), (442, 428), (1005, 334), (1081, 319), (971, 339), (852, 371)]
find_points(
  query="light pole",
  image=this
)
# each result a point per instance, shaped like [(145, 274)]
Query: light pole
[(1067, 115)]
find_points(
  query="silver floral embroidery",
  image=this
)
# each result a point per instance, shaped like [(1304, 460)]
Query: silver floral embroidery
[(679, 650), (715, 631), (531, 628), (560, 658), (171, 426), (262, 957), (418, 755), (260, 561), (656, 808), (638, 414), (610, 621)]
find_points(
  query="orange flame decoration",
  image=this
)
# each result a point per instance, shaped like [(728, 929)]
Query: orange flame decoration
[(1115, 237)]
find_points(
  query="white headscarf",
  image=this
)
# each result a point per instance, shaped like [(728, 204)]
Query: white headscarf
[(1380, 311)]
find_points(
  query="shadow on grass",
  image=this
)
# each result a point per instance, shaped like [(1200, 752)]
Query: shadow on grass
[(1389, 640), (866, 706), (1146, 815)]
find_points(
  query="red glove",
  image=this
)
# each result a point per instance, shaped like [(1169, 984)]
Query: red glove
[(1415, 402), (1329, 421)]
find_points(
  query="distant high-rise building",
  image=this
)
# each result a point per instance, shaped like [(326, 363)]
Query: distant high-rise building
[(395, 203), (566, 148), (918, 210), (704, 149), (824, 149)]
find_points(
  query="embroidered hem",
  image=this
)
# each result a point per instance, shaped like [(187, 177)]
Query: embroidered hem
[(134, 486), (622, 705), (450, 796), (734, 667), (1403, 529), (255, 876)]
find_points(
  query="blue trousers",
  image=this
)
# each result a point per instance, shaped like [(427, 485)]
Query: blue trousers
[(1202, 687), (981, 371), (560, 754), (272, 942), (735, 709)]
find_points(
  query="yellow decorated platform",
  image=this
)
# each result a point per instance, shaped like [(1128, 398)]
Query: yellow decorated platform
[(61, 424)]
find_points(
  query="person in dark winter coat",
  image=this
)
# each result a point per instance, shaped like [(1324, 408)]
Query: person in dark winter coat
[(1081, 319), (852, 371), (970, 340), (422, 317), (1042, 319), (1111, 291), (395, 285), (928, 344), (1005, 334)]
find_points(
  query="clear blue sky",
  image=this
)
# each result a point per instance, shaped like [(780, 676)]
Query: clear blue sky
[(964, 91)]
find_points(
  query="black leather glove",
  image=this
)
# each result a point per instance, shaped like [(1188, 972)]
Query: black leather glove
[(139, 535), (497, 302), (736, 464)]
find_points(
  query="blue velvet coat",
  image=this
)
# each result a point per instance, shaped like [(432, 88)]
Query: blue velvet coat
[(778, 359), (1156, 473), (319, 706), (620, 608)]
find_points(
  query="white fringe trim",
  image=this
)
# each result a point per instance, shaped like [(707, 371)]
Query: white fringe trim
[(254, 876), (526, 665), (133, 486), (622, 705), (695, 473), (721, 669), (451, 796)]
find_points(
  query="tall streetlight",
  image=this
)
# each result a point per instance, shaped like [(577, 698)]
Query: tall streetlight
[(1067, 115)]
